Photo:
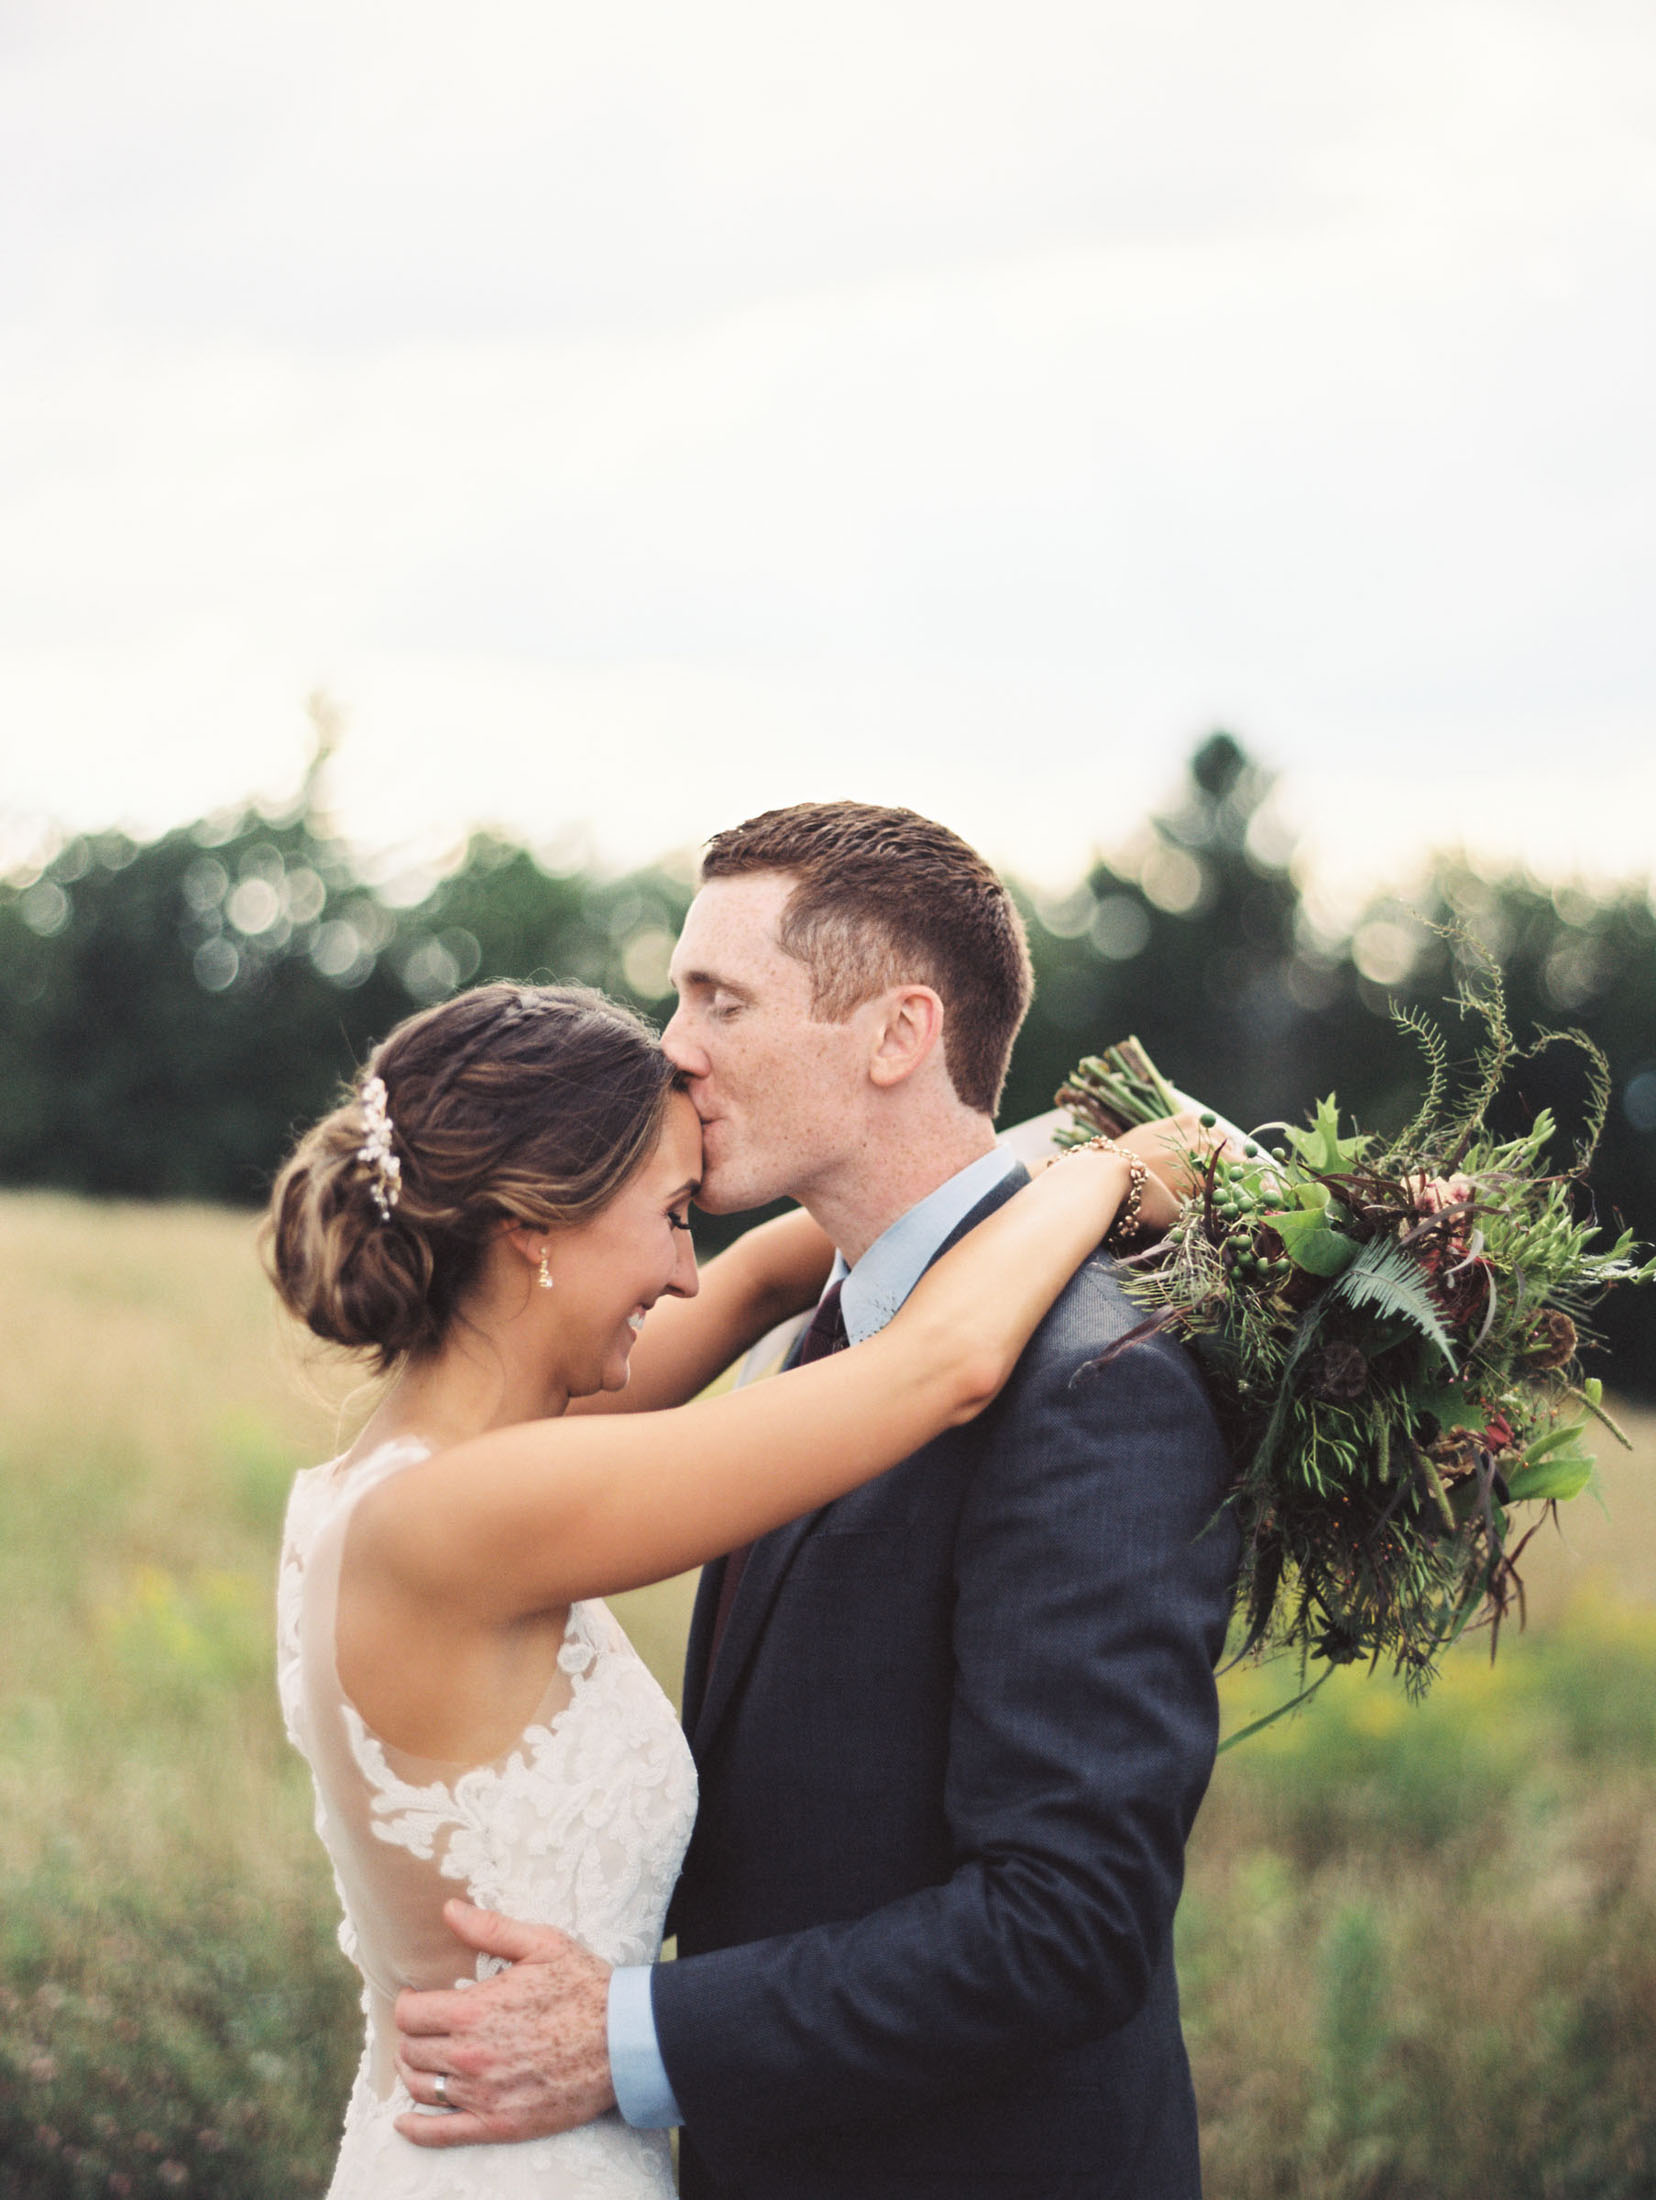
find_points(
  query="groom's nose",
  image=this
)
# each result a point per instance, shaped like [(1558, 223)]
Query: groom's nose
[(681, 1048)]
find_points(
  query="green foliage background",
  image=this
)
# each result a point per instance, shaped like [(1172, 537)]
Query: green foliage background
[(171, 1012)]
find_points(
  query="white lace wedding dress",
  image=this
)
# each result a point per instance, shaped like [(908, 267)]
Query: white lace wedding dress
[(582, 1824)]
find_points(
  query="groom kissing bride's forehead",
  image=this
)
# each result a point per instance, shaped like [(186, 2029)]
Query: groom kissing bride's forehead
[(850, 982), (952, 1729)]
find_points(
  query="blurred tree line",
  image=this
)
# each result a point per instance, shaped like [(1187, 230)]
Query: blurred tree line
[(171, 1012)]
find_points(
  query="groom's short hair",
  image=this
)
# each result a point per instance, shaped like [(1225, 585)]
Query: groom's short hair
[(887, 897)]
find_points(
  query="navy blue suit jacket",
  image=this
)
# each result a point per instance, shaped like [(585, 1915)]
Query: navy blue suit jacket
[(958, 1731)]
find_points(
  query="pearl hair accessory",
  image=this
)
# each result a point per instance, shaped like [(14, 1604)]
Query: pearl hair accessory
[(546, 1277), (377, 1152)]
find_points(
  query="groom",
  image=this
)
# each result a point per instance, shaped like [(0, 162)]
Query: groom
[(952, 1730)]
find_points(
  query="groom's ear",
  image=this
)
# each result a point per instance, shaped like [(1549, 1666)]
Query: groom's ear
[(905, 1033)]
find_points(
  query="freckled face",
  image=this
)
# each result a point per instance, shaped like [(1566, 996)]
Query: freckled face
[(775, 1089), (608, 1272)]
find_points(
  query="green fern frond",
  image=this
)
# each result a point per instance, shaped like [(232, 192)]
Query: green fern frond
[(1385, 1278), (1600, 1087), (1435, 1048), (1480, 995)]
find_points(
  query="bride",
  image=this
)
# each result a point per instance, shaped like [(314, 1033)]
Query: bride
[(498, 1214)]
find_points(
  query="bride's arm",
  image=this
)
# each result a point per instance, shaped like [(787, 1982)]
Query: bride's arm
[(531, 1518), (776, 1269)]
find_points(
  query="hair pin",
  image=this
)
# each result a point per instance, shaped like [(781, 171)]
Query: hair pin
[(385, 1183)]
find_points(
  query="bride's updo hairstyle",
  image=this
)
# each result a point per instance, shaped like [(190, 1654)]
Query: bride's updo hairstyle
[(520, 1104)]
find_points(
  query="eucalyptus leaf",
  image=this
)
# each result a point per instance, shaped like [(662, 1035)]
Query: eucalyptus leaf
[(1542, 1446), (1565, 1474), (1294, 1223), (1322, 1252)]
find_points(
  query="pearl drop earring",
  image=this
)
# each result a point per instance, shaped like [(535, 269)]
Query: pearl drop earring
[(546, 1278)]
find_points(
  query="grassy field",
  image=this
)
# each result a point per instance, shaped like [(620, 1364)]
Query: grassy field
[(1418, 1948)]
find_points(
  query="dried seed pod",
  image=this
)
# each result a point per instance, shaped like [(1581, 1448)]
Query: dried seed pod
[(1339, 1373), (1552, 1342)]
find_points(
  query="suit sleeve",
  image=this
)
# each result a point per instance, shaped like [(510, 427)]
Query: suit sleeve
[(1093, 1586)]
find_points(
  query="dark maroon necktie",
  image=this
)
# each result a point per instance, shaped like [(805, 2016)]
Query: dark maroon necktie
[(826, 1334)]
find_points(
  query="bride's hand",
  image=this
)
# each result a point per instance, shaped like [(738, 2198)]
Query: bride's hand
[(1167, 1148)]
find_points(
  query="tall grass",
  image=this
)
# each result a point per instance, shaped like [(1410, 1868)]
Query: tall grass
[(1417, 1947)]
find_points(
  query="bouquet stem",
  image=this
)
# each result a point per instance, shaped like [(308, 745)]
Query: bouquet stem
[(1116, 1091)]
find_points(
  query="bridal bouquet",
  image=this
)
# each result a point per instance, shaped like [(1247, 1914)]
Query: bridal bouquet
[(1390, 1331)]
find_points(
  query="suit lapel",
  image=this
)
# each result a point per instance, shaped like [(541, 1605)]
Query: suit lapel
[(762, 1577), (707, 1697), (771, 1354), (700, 1642)]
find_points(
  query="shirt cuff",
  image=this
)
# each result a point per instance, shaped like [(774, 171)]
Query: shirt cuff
[(637, 2072)]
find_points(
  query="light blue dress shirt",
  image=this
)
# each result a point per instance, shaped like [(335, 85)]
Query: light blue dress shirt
[(874, 1290)]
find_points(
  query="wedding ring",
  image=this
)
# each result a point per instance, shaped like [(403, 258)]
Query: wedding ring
[(439, 2085)]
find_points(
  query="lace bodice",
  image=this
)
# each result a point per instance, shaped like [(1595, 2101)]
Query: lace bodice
[(581, 1824)]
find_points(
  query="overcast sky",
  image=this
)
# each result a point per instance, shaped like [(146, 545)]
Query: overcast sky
[(642, 414)]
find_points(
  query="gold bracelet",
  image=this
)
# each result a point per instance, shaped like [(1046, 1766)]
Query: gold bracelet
[(1126, 1224)]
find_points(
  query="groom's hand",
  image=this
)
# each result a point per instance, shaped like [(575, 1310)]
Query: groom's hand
[(524, 2054)]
